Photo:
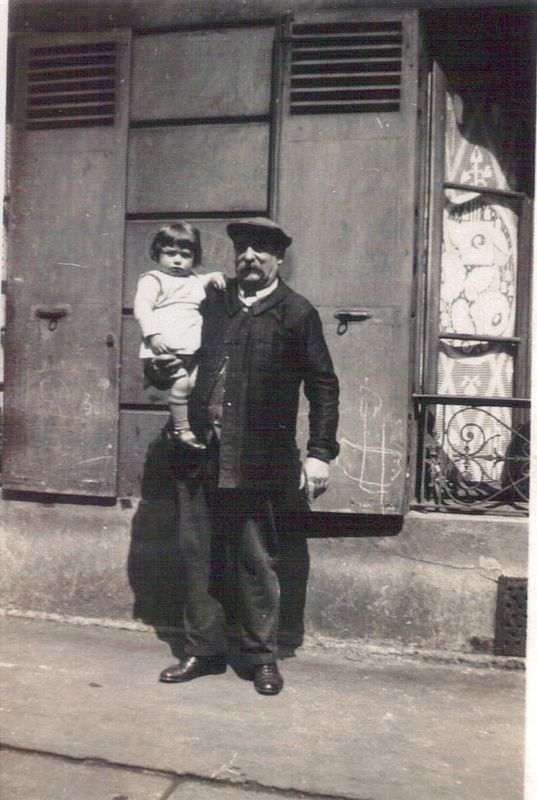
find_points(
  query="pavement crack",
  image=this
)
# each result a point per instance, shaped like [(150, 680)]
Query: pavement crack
[(245, 786), (445, 564), (88, 761)]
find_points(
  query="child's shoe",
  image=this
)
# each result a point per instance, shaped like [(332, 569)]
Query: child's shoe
[(186, 438)]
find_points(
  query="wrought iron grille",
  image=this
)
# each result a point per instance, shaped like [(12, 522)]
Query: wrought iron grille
[(474, 453), (511, 617)]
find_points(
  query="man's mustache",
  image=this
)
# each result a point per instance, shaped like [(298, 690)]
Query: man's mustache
[(249, 268)]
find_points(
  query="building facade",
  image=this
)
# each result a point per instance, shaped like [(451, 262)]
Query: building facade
[(395, 144)]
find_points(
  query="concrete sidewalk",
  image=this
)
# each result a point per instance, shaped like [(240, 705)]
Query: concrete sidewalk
[(85, 718)]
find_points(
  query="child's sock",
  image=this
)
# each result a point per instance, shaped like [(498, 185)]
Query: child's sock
[(181, 431)]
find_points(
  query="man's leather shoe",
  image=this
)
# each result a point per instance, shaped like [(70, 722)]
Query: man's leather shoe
[(267, 679), (193, 667)]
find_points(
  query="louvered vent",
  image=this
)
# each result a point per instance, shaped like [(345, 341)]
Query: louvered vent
[(346, 67), (71, 86)]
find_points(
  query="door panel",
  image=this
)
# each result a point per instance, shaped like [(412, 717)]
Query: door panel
[(175, 77), (61, 419), (352, 208), (138, 430), (63, 242), (366, 476), (198, 168), (65, 252), (346, 195)]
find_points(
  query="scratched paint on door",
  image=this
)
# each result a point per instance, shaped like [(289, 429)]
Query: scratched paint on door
[(375, 459)]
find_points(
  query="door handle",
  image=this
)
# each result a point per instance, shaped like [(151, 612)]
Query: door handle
[(346, 315), (52, 313)]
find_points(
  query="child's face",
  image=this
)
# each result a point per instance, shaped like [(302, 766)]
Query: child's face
[(178, 256)]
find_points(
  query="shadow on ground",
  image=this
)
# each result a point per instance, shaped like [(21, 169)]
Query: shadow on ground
[(170, 494)]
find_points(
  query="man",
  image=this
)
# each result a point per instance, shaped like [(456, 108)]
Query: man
[(261, 341)]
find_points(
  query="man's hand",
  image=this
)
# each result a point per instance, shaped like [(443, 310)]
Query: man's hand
[(166, 364), (159, 370), (315, 474)]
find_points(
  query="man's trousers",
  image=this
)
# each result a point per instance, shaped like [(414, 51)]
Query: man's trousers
[(228, 547)]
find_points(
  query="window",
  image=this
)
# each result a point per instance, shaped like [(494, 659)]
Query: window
[(472, 406)]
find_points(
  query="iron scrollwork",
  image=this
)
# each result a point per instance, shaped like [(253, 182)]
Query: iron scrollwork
[(474, 459)]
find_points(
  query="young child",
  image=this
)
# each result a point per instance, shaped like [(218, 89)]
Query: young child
[(166, 306)]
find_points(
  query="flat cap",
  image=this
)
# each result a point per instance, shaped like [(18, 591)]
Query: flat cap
[(264, 224)]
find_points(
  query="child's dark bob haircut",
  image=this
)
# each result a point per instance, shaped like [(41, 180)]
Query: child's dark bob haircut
[(174, 234)]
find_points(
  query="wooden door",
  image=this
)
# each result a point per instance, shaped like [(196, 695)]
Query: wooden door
[(346, 194), (65, 253), (201, 121)]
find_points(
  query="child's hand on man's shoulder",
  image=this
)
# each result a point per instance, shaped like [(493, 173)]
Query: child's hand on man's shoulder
[(218, 279)]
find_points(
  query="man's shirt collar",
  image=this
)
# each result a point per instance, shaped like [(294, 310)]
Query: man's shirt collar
[(249, 300)]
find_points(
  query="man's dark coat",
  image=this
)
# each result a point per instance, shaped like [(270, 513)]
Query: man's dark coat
[(267, 351)]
